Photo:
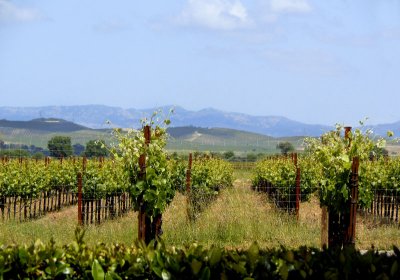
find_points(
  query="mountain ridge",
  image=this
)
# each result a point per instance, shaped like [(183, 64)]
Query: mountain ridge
[(190, 138), (96, 116)]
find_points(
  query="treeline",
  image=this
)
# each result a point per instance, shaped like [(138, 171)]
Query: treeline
[(228, 155), (58, 146)]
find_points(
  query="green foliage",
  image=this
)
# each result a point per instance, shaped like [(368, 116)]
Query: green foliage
[(38, 155), (30, 177), (15, 153), (155, 189), (378, 152), (378, 175), (335, 153), (101, 179), (281, 173), (251, 157), (177, 169), (229, 155), (117, 261), (60, 146), (285, 147), (96, 148), (208, 177)]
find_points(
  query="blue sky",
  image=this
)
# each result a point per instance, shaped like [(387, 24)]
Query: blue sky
[(313, 61)]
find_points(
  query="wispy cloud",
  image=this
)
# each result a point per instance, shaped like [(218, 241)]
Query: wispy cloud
[(290, 6), (9, 12), (273, 9), (215, 14)]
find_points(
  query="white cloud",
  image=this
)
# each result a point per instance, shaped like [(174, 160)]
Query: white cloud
[(11, 13), (272, 10), (215, 14), (290, 6)]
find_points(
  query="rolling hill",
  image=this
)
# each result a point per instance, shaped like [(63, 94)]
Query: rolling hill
[(43, 124), (39, 131), (95, 116)]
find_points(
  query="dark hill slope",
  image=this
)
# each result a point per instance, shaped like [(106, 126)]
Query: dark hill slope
[(44, 124)]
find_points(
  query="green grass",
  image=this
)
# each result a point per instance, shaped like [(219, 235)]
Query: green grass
[(236, 219)]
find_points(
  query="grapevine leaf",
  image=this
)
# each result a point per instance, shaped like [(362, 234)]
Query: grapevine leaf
[(97, 271)]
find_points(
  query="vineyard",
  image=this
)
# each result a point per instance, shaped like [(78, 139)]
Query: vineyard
[(30, 188), (379, 184), (109, 188), (190, 199)]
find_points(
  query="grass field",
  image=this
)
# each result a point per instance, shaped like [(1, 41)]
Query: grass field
[(235, 219)]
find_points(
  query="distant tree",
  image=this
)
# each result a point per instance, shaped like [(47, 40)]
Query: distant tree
[(378, 153), (229, 155), (15, 153), (197, 154), (96, 148), (38, 155), (251, 157), (285, 147), (60, 146), (216, 155), (78, 149), (260, 155)]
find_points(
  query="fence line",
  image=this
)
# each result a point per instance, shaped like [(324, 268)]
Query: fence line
[(97, 210), (20, 208), (385, 206), (284, 198)]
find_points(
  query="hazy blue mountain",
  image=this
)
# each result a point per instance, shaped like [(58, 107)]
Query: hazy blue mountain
[(96, 116), (382, 129)]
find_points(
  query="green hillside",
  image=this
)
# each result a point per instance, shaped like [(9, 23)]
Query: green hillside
[(40, 138), (223, 139), (49, 124), (182, 139)]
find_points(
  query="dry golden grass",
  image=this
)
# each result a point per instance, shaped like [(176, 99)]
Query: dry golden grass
[(237, 218)]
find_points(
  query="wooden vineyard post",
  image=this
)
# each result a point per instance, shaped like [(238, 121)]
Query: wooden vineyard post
[(297, 187), (84, 163), (297, 192), (324, 226), (351, 227), (347, 130), (188, 184), (80, 218), (156, 226), (143, 231), (342, 223)]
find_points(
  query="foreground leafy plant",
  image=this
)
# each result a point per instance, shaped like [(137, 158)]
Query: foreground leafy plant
[(117, 261)]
